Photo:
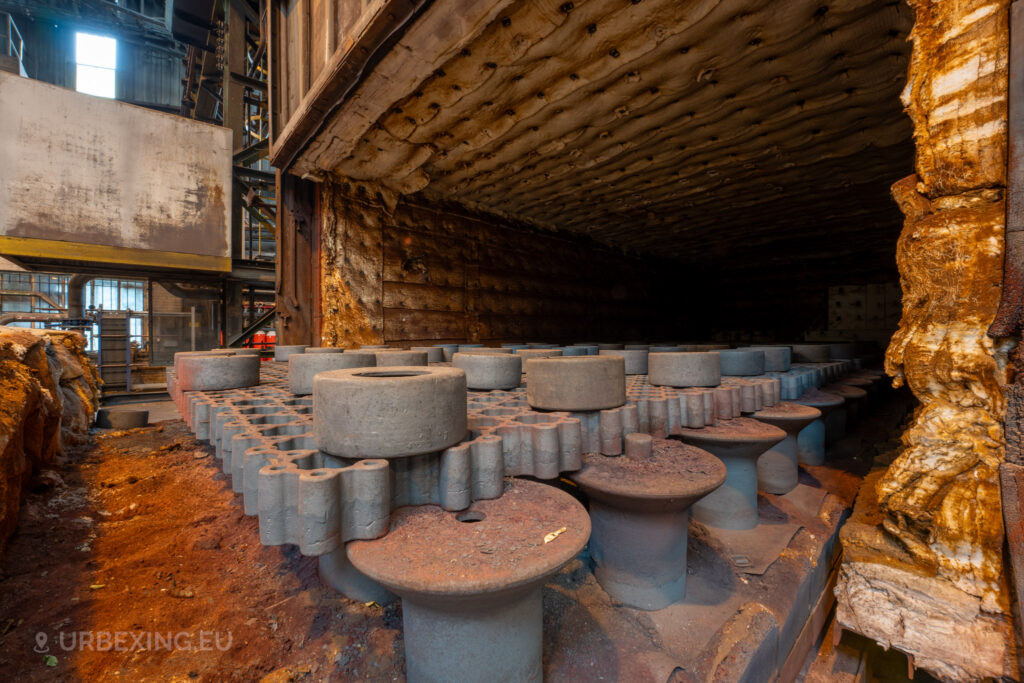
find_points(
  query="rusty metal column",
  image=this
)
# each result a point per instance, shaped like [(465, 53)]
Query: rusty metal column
[(296, 259), (234, 117), (233, 101)]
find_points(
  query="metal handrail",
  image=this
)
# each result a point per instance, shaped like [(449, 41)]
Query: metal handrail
[(12, 31), (48, 300), (246, 334)]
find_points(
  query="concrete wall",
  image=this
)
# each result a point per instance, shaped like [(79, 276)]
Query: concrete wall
[(121, 180)]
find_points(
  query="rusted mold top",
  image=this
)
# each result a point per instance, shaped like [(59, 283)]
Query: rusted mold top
[(845, 390), (673, 470), (429, 550), (819, 399), (740, 429), (854, 381), (785, 413)]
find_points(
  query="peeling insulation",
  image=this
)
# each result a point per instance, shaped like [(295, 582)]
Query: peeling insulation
[(940, 499), (956, 94), (942, 493)]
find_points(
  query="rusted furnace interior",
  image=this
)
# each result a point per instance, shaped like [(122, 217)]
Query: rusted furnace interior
[(704, 153), (695, 330)]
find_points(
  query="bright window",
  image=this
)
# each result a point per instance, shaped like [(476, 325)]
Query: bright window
[(96, 58)]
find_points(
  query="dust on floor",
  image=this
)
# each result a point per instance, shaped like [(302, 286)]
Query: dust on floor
[(133, 559)]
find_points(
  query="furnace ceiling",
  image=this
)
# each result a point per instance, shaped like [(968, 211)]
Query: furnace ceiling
[(655, 126)]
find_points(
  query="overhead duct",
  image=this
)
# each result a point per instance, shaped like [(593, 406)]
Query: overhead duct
[(76, 295), (189, 291)]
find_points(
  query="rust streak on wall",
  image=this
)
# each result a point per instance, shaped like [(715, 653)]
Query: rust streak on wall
[(297, 256), (350, 270)]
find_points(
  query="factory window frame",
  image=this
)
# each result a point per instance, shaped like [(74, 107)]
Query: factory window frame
[(32, 284), (95, 64), (117, 297)]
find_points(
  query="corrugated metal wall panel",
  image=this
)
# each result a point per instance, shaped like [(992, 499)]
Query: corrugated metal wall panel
[(144, 75), (148, 77), (49, 51)]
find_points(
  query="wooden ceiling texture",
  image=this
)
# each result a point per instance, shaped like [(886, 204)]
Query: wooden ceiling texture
[(749, 129)]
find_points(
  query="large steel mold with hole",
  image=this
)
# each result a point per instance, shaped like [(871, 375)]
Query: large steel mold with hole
[(390, 412)]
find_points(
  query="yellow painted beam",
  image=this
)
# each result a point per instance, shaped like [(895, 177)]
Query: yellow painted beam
[(76, 251)]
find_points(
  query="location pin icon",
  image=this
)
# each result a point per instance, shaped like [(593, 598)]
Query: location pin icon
[(41, 639)]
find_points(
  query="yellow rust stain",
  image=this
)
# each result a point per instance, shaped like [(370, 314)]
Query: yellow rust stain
[(351, 271)]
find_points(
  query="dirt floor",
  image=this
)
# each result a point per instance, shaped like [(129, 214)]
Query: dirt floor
[(139, 543)]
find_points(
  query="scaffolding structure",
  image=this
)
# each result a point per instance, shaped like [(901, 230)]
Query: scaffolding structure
[(226, 84)]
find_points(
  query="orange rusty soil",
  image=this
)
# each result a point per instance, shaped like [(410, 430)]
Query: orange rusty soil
[(140, 534)]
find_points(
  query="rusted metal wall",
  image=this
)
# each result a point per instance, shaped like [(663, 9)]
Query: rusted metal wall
[(297, 264), (145, 75), (310, 39), (423, 273), (87, 170)]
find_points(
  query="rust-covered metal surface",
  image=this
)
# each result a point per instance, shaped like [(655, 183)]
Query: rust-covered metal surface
[(432, 273), (311, 40), (1011, 478), (511, 545), (298, 262), (937, 538), (351, 267), (86, 170)]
